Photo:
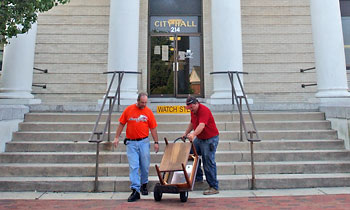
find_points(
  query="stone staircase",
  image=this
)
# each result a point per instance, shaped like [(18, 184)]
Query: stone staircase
[(50, 152)]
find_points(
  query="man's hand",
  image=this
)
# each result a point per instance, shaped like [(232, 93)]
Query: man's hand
[(190, 136), (116, 142), (156, 148)]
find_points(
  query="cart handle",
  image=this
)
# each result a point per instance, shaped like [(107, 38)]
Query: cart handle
[(183, 138)]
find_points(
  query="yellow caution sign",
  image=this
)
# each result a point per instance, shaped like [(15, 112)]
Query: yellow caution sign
[(172, 110)]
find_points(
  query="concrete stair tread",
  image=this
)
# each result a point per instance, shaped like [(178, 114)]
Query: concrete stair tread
[(175, 132), (163, 142), (44, 165), (155, 178), (171, 123), (161, 153)]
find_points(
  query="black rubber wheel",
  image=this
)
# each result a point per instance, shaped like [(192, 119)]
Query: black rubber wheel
[(183, 196), (157, 193)]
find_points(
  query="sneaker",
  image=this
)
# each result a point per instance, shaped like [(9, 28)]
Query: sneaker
[(143, 189), (134, 196), (211, 191)]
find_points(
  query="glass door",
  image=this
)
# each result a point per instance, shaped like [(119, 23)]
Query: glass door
[(162, 66), (188, 71), (175, 66)]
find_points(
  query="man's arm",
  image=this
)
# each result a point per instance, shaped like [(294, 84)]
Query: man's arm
[(154, 134), (196, 132), (189, 129), (117, 135)]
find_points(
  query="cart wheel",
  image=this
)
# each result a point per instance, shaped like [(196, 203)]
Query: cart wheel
[(183, 196), (157, 193)]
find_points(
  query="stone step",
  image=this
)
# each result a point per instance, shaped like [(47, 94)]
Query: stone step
[(221, 156), (121, 184), (222, 116), (223, 168), (178, 126), (226, 135), (224, 145)]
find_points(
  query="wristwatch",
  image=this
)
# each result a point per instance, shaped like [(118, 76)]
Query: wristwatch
[(156, 142)]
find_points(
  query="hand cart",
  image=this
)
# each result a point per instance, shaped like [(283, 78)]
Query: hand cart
[(175, 176)]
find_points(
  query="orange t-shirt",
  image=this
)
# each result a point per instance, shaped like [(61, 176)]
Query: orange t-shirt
[(139, 121)]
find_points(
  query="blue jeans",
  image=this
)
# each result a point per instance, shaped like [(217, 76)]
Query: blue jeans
[(139, 161), (204, 149)]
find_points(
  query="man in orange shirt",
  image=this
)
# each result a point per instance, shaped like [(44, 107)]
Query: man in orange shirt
[(140, 120)]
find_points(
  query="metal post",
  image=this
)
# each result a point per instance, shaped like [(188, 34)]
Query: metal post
[(240, 120), (253, 187), (230, 75), (109, 118), (97, 155)]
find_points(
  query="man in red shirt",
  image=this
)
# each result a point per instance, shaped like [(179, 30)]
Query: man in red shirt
[(140, 120), (206, 139)]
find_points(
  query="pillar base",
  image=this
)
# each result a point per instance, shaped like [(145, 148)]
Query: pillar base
[(339, 93), (340, 101), (126, 98), (225, 97), (19, 101), (15, 94)]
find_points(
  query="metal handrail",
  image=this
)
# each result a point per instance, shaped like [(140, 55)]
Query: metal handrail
[(112, 99), (308, 69), (307, 85), (239, 103), (42, 70), (311, 84), (37, 85)]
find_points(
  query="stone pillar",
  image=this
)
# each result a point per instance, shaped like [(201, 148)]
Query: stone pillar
[(329, 50), (18, 63), (123, 46), (227, 48)]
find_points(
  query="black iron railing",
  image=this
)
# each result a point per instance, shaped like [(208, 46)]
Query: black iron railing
[(243, 126), (112, 100)]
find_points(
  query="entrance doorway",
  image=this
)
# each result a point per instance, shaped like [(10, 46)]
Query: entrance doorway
[(175, 65), (175, 61)]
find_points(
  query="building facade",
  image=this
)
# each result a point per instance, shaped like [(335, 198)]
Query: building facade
[(176, 45)]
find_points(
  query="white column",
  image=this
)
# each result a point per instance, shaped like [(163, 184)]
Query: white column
[(123, 46), (329, 50), (227, 48), (18, 63)]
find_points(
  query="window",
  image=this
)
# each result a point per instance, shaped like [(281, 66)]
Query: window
[(175, 7), (345, 13)]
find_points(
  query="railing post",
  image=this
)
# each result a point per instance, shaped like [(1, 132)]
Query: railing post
[(97, 159), (109, 118), (240, 120), (230, 75), (253, 183)]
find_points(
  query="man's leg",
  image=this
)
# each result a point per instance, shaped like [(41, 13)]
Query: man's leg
[(132, 148), (199, 175), (209, 164), (144, 164)]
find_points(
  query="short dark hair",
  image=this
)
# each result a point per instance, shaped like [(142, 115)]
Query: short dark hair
[(141, 95), (191, 100)]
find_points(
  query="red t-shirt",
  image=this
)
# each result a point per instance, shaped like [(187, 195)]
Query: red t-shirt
[(205, 116), (139, 121)]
